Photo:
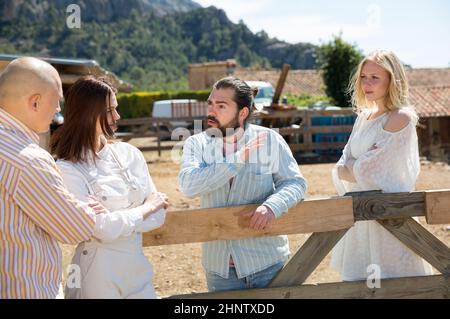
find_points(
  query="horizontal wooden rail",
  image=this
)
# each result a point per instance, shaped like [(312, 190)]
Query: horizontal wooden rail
[(156, 148), (317, 215), (228, 223), (427, 287), (150, 120), (437, 206), (290, 130), (316, 146), (316, 129), (276, 114), (136, 121), (331, 129), (374, 205)]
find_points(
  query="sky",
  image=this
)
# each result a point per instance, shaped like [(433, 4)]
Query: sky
[(418, 31)]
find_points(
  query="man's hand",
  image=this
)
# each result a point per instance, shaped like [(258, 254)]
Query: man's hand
[(252, 145), (261, 218)]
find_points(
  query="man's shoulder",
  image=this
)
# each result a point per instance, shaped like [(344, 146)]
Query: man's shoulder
[(19, 153), (33, 156), (26, 161), (259, 128), (199, 138), (273, 134)]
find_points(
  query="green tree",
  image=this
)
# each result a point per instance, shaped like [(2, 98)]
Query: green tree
[(338, 61)]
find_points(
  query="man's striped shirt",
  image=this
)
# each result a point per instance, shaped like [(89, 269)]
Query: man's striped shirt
[(36, 212)]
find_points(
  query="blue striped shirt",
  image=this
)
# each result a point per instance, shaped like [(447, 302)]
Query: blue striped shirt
[(271, 177)]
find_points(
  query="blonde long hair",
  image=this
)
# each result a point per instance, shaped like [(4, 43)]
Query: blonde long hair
[(398, 92)]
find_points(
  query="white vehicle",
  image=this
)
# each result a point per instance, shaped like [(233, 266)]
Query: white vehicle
[(265, 94), (169, 109), (186, 111), (324, 106)]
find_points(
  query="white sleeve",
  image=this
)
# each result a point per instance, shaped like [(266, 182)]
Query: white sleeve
[(343, 186), (156, 219), (394, 165), (108, 226)]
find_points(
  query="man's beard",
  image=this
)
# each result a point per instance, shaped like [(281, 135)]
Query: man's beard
[(233, 124)]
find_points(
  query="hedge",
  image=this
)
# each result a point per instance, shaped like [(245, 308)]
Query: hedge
[(305, 100), (140, 104)]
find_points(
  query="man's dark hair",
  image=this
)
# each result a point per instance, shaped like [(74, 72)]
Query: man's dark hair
[(243, 94)]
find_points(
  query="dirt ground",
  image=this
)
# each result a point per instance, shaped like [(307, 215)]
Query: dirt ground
[(178, 268)]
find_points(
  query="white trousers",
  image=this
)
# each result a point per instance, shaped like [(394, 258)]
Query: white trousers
[(60, 294), (117, 270)]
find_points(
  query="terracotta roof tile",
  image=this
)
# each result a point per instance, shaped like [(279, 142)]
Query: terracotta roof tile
[(298, 81), (431, 101), (311, 82), (429, 88), (428, 77)]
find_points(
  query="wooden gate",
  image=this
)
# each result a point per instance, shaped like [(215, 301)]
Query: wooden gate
[(328, 220)]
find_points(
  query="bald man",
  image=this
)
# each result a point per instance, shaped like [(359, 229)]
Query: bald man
[(36, 209)]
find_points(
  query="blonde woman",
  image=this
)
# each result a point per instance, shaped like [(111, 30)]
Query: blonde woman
[(381, 154)]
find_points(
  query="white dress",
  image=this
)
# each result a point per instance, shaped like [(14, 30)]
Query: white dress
[(392, 167), (112, 264)]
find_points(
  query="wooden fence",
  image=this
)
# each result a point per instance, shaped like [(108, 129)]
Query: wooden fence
[(304, 136), (328, 220), (149, 127), (336, 132)]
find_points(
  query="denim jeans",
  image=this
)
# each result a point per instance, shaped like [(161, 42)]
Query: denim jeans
[(257, 280)]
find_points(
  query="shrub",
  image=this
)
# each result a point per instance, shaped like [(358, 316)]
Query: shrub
[(306, 100), (140, 104), (338, 60)]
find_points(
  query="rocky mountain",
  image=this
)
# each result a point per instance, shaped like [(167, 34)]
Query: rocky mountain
[(147, 42), (92, 10)]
